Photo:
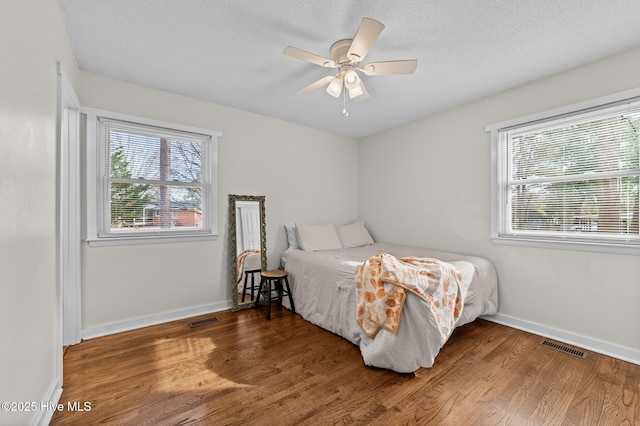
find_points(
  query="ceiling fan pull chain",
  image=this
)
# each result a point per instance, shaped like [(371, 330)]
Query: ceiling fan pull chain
[(344, 103)]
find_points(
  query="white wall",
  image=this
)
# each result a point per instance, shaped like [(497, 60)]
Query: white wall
[(306, 175), (435, 183), (32, 39)]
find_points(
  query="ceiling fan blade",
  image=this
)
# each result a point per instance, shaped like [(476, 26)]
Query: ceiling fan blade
[(367, 34), (390, 67), (294, 52), (317, 84)]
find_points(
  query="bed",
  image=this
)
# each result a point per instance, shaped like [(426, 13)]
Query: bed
[(322, 283)]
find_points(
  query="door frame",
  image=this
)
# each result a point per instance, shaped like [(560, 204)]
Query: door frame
[(68, 212)]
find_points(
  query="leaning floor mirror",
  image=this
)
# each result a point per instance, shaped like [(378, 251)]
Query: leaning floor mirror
[(248, 244)]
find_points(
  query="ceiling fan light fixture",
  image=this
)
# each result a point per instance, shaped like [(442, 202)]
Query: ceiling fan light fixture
[(351, 78), (364, 95), (335, 87), (356, 91)]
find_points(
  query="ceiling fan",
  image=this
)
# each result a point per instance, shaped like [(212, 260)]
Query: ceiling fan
[(346, 56)]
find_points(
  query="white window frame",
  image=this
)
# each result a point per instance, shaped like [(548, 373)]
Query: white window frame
[(498, 198), (94, 178)]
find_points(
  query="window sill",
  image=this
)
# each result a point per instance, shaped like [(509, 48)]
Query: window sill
[(136, 240), (590, 246)]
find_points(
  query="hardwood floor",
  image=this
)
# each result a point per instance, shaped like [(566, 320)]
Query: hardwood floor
[(245, 370)]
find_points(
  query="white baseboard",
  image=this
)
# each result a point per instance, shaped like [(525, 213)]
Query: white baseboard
[(609, 349), (48, 405), (132, 324)]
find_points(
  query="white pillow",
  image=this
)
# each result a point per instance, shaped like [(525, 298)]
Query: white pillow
[(291, 237), (354, 235), (318, 237)]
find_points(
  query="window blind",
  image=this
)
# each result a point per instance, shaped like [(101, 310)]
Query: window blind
[(574, 176)]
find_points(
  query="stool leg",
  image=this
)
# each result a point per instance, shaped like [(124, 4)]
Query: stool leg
[(279, 287), (286, 282), (244, 288), (253, 286), (262, 281), (268, 285)]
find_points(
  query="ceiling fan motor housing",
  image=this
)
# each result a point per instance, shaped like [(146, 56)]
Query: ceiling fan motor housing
[(339, 51)]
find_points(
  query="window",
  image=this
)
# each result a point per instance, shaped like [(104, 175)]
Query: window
[(570, 179), (154, 180)]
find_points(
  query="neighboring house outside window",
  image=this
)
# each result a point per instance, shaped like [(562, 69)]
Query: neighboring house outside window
[(182, 214), (569, 178), (155, 180)]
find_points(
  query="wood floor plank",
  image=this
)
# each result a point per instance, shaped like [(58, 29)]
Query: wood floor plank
[(245, 370)]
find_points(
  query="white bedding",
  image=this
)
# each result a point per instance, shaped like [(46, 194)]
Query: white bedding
[(323, 289)]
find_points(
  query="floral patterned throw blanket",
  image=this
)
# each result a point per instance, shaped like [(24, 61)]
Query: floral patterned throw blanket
[(382, 283)]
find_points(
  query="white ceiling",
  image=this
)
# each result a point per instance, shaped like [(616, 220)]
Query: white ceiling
[(230, 51)]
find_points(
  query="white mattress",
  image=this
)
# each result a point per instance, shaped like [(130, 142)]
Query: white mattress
[(323, 290)]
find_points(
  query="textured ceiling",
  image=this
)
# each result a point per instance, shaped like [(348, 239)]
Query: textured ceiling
[(230, 51)]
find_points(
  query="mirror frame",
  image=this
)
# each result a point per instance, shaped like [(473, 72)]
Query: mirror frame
[(233, 240)]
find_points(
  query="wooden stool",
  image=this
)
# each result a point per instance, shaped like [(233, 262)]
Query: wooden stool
[(274, 276), (253, 285)]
